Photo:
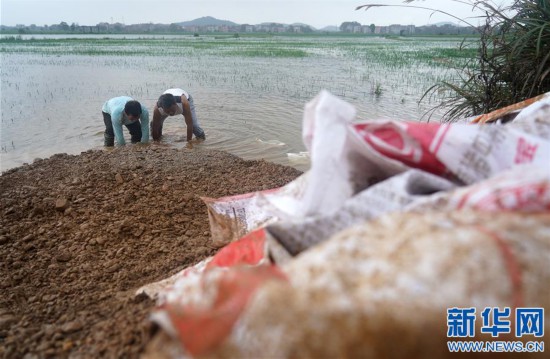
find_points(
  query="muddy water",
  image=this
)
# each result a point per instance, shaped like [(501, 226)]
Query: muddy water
[(248, 106), (54, 106)]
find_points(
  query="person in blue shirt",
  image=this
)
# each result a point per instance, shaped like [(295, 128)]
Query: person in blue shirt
[(125, 111)]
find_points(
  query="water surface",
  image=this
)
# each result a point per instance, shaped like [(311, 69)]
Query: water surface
[(249, 92)]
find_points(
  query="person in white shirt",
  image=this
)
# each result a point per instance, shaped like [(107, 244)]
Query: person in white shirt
[(176, 102)]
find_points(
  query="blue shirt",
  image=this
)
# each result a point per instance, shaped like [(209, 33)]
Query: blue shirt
[(115, 108)]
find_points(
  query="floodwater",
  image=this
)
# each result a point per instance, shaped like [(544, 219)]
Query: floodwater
[(249, 94)]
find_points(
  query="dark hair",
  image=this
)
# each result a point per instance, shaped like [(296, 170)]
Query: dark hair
[(166, 100), (132, 108)]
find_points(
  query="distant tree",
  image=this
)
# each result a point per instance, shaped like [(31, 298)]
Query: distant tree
[(118, 27), (348, 26), (372, 28), (64, 26), (174, 28)]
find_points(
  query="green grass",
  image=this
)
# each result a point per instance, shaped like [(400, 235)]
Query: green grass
[(267, 52), (370, 49)]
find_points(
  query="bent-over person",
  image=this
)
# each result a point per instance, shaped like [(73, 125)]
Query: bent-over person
[(176, 102), (126, 111)]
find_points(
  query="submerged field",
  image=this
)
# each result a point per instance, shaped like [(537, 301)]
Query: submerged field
[(249, 91)]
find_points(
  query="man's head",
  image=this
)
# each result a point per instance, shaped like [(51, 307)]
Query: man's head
[(168, 104), (132, 109)]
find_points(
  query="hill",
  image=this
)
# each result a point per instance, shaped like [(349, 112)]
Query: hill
[(207, 21), (212, 21), (330, 29)]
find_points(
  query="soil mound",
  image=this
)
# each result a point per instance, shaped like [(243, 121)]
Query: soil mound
[(79, 234)]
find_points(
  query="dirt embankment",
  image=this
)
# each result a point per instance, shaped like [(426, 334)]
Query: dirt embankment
[(79, 234)]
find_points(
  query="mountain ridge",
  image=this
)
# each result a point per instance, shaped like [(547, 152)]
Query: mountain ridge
[(207, 21), (212, 21)]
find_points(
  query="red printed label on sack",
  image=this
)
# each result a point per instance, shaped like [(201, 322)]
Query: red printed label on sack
[(414, 144), (525, 151), (249, 250)]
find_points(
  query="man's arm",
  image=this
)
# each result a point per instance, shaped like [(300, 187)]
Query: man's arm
[(116, 119), (156, 124), (188, 117)]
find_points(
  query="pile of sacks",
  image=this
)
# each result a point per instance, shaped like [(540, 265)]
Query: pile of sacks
[(362, 256)]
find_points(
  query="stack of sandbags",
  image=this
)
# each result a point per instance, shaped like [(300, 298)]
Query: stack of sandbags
[(524, 188), (382, 290), (395, 224)]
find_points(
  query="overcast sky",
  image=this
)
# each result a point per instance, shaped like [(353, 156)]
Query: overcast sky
[(317, 13)]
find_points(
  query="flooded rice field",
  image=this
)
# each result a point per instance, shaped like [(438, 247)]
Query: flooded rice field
[(249, 91)]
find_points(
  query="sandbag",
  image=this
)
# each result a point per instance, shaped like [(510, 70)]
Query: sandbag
[(382, 290), (348, 156), (523, 188), (232, 217)]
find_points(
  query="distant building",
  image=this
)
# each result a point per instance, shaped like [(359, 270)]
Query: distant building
[(351, 27), (380, 29), (397, 29)]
